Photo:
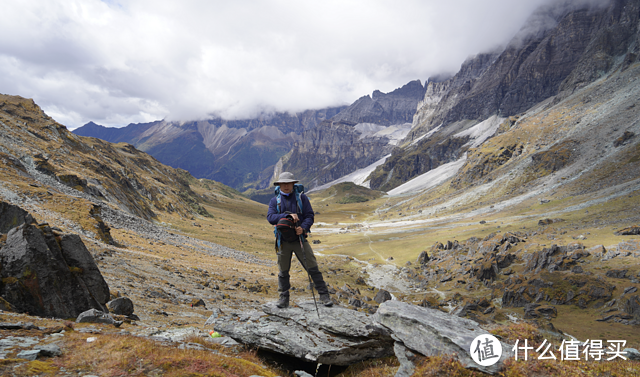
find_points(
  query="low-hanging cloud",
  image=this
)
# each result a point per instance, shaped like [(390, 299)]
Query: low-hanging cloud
[(117, 62)]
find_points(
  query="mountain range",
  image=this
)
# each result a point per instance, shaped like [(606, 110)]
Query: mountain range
[(244, 154)]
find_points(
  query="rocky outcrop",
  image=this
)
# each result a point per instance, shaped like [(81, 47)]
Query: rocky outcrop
[(431, 332), (629, 231), (339, 336), (386, 109), (557, 288), (632, 307), (51, 274), (12, 216), (555, 258)]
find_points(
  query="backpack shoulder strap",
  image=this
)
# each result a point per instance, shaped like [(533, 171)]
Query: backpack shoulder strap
[(278, 199), (298, 189)]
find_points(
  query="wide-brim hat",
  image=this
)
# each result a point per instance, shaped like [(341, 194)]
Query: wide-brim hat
[(285, 177)]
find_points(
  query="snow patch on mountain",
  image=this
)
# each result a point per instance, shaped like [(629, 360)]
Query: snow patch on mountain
[(358, 177), (431, 178), (481, 131), (394, 133), (427, 135)]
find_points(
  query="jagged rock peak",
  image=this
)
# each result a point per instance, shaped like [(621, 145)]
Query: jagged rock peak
[(395, 107)]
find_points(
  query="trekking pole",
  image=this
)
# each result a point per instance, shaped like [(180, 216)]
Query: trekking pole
[(304, 257)]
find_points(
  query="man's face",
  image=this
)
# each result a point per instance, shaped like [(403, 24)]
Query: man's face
[(286, 188)]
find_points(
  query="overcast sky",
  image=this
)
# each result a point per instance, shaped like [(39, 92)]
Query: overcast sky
[(117, 62)]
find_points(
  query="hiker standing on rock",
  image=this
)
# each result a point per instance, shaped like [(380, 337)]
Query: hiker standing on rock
[(291, 213)]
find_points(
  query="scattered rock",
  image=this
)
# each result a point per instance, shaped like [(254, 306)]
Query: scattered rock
[(626, 136), (48, 350), (382, 296), (544, 222), (121, 306), (177, 334), (28, 355), (97, 316), (632, 307), (423, 258), (198, 302), (618, 274), (598, 251), (537, 311), (632, 354), (630, 231)]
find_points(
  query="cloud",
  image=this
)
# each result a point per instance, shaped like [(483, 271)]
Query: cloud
[(116, 62)]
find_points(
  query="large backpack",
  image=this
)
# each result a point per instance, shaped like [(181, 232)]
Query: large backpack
[(284, 227)]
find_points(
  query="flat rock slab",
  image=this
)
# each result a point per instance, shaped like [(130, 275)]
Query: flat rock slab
[(339, 337), (28, 355), (431, 332)]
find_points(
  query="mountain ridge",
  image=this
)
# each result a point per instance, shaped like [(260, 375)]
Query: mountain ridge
[(546, 66)]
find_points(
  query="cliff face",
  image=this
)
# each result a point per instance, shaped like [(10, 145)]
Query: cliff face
[(358, 136), (396, 107), (330, 151), (553, 62)]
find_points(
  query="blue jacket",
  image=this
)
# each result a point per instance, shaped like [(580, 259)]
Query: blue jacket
[(288, 204)]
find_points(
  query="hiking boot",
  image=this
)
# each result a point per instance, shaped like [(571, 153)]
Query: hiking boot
[(283, 302), (325, 299)]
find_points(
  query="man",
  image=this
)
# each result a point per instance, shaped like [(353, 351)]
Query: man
[(303, 220)]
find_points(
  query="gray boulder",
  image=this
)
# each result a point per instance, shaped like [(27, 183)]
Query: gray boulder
[(339, 337), (48, 350), (12, 216), (28, 355), (382, 296), (121, 306), (431, 332), (407, 360), (632, 354), (49, 274), (632, 307), (97, 316)]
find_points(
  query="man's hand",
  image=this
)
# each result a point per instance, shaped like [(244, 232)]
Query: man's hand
[(294, 216), (299, 230)]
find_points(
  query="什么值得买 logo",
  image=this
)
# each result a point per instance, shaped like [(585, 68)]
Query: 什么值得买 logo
[(486, 350)]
